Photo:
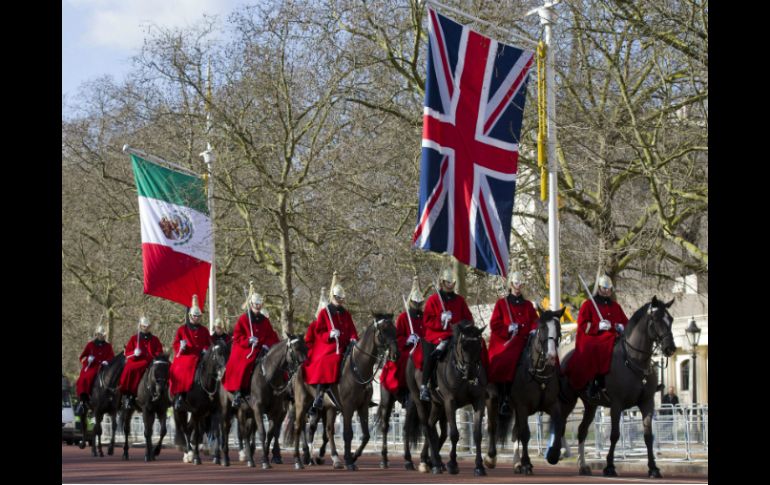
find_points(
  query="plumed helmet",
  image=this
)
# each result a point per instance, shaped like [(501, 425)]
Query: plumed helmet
[(195, 310), (516, 279), (416, 295), (218, 323), (322, 302), (144, 322), (256, 299), (336, 289), (99, 331), (605, 282), (448, 275), (265, 312)]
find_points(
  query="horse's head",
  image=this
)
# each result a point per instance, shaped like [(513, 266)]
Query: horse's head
[(385, 335), (157, 377), (659, 325), (296, 351), (467, 347), (548, 335), (215, 360)]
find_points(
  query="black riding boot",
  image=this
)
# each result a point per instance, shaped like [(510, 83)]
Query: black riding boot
[(128, 402), (428, 363), (597, 390), (318, 403), (237, 399), (179, 400)]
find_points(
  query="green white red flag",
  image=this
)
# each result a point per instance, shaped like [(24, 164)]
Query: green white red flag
[(177, 236)]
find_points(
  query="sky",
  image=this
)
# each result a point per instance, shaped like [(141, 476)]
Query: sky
[(100, 36)]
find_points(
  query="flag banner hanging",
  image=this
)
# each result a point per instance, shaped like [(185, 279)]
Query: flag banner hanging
[(176, 232), (474, 102)]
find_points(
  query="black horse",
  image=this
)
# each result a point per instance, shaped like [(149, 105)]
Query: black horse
[(353, 390), (535, 388), (632, 381), (104, 399), (462, 380), (153, 401), (266, 397), (201, 400)]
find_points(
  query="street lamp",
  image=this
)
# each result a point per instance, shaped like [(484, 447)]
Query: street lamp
[(693, 335)]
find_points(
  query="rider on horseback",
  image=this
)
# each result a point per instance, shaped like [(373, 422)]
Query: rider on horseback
[(327, 339), (190, 341), (510, 328), (442, 309), (140, 350), (594, 341), (97, 353), (253, 336), (409, 332), (220, 336)]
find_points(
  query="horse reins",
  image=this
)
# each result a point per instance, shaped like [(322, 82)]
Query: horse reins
[(285, 367), (379, 358), (629, 361)]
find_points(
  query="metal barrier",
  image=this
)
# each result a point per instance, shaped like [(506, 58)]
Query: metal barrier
[(681, 432)]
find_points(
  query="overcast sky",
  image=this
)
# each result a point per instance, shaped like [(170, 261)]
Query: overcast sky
[(100, 36)]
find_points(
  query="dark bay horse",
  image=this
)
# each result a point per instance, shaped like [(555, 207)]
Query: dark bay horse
[(632, 381), (201, 400), (462, 381), (353, 390), (266, 397), (105, 399), (153, 401), (535, 388)]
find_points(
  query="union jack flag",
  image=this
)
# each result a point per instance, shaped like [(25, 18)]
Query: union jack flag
[(474, 102)]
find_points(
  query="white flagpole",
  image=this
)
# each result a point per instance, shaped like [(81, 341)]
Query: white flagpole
[(209, 158), (546, 14)]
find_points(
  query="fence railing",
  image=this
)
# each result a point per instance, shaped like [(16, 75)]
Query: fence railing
[(681, 432)]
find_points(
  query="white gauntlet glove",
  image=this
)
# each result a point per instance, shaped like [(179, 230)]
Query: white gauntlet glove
[(604, 325), (334, 334), (90, 359), (446, 317), (253, 340), (442, 345), (137, 352), (104, 362), (265, 348), (513, 329), (182, 343), (412, 340)]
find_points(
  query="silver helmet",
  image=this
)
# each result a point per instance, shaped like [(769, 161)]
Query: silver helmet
[(448, 275), (516, 279), (99, 332), (144, 322), (195, 310), (605, 282), (416, 295)]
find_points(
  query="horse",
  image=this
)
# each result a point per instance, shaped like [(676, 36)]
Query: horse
[(201, 400), (535, 388), (631, 381), (461, 381), (353, 391), (153, 401), (266, 396), (104, 399)]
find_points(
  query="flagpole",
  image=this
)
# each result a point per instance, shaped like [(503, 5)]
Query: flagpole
[(547, 16), (209, 158), (158, 160)]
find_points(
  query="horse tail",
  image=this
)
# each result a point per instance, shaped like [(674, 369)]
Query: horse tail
[(503, 425), (412, 424), (288, 433)]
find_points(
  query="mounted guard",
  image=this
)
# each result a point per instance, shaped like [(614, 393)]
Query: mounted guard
[(141, 349), (98, 353), (190, 341)]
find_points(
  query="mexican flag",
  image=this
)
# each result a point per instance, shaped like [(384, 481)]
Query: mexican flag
[(176, 232)]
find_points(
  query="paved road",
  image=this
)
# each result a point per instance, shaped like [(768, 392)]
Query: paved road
[(78, 466)]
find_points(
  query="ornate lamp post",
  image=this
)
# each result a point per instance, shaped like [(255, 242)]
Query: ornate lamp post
[(693, 335)]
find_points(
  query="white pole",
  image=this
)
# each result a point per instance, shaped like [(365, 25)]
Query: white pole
[(546, 19), (208, 158)]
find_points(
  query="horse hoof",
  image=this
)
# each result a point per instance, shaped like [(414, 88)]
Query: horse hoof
[(266, 466), (409, 466), (277, 460), (423, 468), (490, 462), (609, 472), (338, 465), (216, 461), (352, 467), (443, 467), (147, 458), (101, 453), (241, 455), (654, 473), (517, 469), (156, 452), (298, 466), (125, 456), (110, 451), (585, 470), (319, 461), (552, 455), (196, 461), (93, 453), (528, 470), (436, 470), (82, 445), (453, 469), (251, 464), (479, 471), (383, 465)]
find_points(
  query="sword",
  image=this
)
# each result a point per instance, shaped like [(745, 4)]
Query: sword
[(248, 313), (411, 328), (510, 316), (590, 297)]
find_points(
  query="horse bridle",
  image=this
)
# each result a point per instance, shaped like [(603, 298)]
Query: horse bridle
[(290, 365), (380, 348), (460, 365), (149, 381), (217, 379), (536, 369), (656, 338)]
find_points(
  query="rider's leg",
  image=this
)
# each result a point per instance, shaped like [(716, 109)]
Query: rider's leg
[(428, 363)]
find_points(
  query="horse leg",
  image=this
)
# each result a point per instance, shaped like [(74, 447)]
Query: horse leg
[(588, 416), (478, 417), (437, 416), (250, 428), (523, 435), (274, 433), (126, 431), (647, 410), (225, 426), (149, 419), (609, 470), (97, 434), (386, 406), (328, 437), (553, 450), (261, 437), (195, 437), (363, 417), (347, 435), (454, 436), (159, 446), (491, 459)]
